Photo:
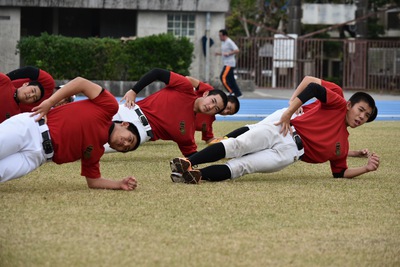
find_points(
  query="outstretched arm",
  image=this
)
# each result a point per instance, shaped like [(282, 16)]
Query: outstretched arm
[(372, 165), (363, 153), (74, 87), (127, 184), (145, 80)]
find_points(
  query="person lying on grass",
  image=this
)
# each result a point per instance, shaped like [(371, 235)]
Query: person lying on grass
[(317, 136), (67, 133)]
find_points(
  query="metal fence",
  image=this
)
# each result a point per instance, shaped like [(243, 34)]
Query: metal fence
[(353, 64)]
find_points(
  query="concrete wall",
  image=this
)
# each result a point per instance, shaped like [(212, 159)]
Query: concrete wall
[(151, 22), (10, 24), (171, 5)]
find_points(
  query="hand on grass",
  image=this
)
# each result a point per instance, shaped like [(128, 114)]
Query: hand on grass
[(128, 183)]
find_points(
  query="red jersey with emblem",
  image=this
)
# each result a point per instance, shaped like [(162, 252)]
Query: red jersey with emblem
[(8, 105), (323, 129), (170, 113), (203, 121), (204, 125), (80, 129)]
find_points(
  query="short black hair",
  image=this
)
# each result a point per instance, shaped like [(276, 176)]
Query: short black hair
[(224, 32), (361, 96), (38, 84), (135, 131), (222, 94), (234, 100)]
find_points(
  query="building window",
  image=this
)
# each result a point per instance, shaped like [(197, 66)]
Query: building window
[(181, 24)]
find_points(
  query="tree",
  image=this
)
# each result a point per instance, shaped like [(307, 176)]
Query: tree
[(256, 17)]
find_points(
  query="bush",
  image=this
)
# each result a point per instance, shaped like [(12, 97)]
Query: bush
[(105, 58)]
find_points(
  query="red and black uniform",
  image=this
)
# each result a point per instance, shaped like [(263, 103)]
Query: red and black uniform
[(204, 121), (80, 130), (204, 125), (9, 107), (12, 81), (323, 129), (170, 110)]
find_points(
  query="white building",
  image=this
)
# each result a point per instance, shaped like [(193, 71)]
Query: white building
[(115, 18)]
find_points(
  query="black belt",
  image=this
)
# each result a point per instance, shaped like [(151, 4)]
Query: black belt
[(144, 121), (298, 141), (47, 145)]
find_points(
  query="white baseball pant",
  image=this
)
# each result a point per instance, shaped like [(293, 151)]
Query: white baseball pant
[(21, 149), (261, 149)]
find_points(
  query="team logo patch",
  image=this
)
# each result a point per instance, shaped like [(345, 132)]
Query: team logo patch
[(88, 152), (337, 149), (182, 127), (204, 127), (8, 115)]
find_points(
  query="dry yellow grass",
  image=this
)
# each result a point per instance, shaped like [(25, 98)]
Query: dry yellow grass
[(297, 217)]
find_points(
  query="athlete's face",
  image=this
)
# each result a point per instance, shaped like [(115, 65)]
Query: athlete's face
[(358, 114), (209, 104), (28, 94), (229, 110), (122, 139)]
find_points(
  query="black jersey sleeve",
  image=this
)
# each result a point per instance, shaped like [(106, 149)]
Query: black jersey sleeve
[(238, 132), (339, 174), (313, 90), (29, 72), (152, 76)]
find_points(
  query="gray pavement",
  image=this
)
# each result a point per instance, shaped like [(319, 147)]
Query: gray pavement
[(263, 93)]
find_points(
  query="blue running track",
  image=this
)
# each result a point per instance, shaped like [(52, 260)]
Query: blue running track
[(257, 109)]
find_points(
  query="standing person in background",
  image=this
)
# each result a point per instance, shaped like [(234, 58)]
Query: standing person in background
[(228, 51)]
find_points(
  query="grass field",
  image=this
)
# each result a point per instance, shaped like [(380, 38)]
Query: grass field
[(297, 217)]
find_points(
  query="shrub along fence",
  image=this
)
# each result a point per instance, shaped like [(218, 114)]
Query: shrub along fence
[(105, 58)]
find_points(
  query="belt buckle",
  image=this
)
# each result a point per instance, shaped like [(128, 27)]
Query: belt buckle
[(298, 141), (143, 120), (47, 146)]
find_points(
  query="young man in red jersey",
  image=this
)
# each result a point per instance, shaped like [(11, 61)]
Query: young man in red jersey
[(67, 133), (317, 136), (171, 112), (203, 121), (23, 89)]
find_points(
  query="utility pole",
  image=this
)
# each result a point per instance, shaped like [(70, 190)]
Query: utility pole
[(362, 10), (295, 14)]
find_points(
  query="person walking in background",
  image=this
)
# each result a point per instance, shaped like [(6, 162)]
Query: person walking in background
[(228, 51)]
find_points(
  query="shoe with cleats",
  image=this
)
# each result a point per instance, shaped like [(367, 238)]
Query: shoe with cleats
[(192, 177), (180, 165), (177, 177)]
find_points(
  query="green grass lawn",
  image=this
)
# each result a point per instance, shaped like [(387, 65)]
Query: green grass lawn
[(300, 216)]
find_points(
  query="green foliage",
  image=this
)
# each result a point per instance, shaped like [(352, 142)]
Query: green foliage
[(249, 16), (162, 51), (105, 58)]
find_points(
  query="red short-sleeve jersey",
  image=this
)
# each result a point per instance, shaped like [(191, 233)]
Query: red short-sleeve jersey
[(8, 106), (46, 80), (323, 129), (204, 125), (170, 113), (80, 129)]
